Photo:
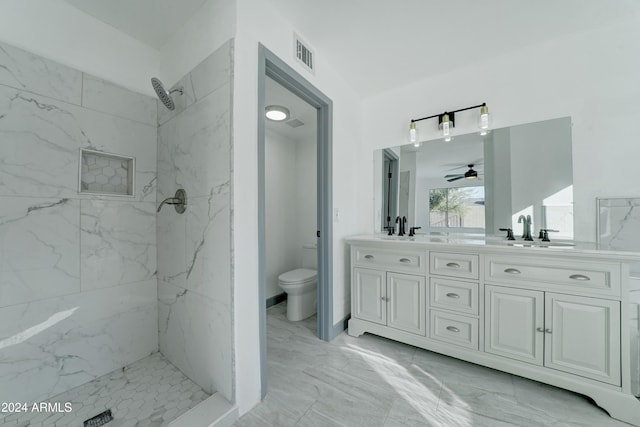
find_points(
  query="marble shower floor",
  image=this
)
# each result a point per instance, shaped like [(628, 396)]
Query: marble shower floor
[(150, 392), (371, 381)]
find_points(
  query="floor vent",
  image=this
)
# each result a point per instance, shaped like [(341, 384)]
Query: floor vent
[(100, 419), (303, 53)]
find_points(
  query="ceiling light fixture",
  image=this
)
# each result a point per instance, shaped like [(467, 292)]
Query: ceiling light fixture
[(277, 113), (471, 174), (446, 122)]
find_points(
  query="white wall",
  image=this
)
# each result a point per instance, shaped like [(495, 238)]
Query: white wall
[(306, 198), (259, 23), (592, 77), (408, 164), (58, 31), (497, 189), (212, 25), (291, 214), (281, 210)]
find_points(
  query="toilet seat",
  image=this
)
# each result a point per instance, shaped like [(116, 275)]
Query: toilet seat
[(298, 276)]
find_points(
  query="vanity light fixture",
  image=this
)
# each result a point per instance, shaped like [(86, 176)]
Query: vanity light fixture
[(445, 126), (277, 113), (413, 132), (483, 123), (446, 122)]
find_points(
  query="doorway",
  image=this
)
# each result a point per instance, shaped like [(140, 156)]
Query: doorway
[(271, 67)]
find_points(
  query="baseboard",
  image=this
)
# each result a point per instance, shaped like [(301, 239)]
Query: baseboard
[(276, 299), (340, 327)]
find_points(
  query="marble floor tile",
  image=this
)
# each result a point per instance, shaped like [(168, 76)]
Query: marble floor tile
[(315, 419), (149, 392), (371, 381)]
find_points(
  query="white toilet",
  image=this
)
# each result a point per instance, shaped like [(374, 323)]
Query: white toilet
[(301, 286)]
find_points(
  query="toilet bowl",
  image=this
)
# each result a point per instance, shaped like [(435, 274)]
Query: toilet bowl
[(300, 285)]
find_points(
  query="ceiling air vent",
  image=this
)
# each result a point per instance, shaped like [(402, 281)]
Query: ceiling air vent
[(303, 53), (295, 123)]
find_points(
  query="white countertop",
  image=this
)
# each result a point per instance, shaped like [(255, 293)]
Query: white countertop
[(497, 244)]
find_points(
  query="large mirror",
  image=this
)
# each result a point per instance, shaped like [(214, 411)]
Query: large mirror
[(478, 184)]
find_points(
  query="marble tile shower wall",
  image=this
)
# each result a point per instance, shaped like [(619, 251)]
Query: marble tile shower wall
[(194, 249), (78, 286)]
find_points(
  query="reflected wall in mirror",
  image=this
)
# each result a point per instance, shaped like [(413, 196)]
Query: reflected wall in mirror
[(477, 184)]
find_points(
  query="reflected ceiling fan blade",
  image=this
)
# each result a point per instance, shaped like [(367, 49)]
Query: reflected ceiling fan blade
[(452, 175), (455, 166), (456, 178)]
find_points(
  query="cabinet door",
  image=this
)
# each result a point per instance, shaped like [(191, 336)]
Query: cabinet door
[(583, 336), (407, 302), (369, 293), (514, 323)]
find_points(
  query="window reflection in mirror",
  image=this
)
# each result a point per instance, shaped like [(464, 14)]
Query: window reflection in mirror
[(457, 209)]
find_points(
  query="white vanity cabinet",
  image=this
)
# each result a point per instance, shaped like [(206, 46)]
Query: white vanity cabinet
[(453, 302), (560, 317), (582, 336), (563, 314), (579, 335), (385, 294), (513, 323)]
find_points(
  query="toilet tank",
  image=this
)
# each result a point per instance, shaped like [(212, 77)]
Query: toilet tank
[(310, 256)]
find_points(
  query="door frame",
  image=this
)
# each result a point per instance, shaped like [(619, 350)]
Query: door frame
[(269, 65)]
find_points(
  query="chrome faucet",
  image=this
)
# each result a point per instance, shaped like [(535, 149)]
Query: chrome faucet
[(526, 228)]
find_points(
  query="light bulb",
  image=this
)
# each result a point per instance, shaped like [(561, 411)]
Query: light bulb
[(483, 122), (413, 133), (446, 127)]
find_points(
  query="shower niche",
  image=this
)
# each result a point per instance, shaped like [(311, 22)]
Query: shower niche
[(106, 173)]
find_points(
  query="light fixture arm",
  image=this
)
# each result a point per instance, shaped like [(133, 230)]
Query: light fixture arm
[(451, 113)]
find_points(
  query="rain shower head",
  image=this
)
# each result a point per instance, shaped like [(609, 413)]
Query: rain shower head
[(165, 97)]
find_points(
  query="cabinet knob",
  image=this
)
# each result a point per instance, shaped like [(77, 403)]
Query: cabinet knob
[(512, 270), (452, 295), (385, 299), (453, 329), (369, 257), (547, 331), (405, 260), (580, 277), (453, 265), (540, 330)]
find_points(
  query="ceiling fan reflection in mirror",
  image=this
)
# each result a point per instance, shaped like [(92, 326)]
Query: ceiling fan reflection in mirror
[(470, 174)]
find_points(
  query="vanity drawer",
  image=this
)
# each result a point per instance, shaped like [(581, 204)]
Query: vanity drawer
[(464, 266), (454, 329), (454, 295), (600, 278), (388, 259)]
